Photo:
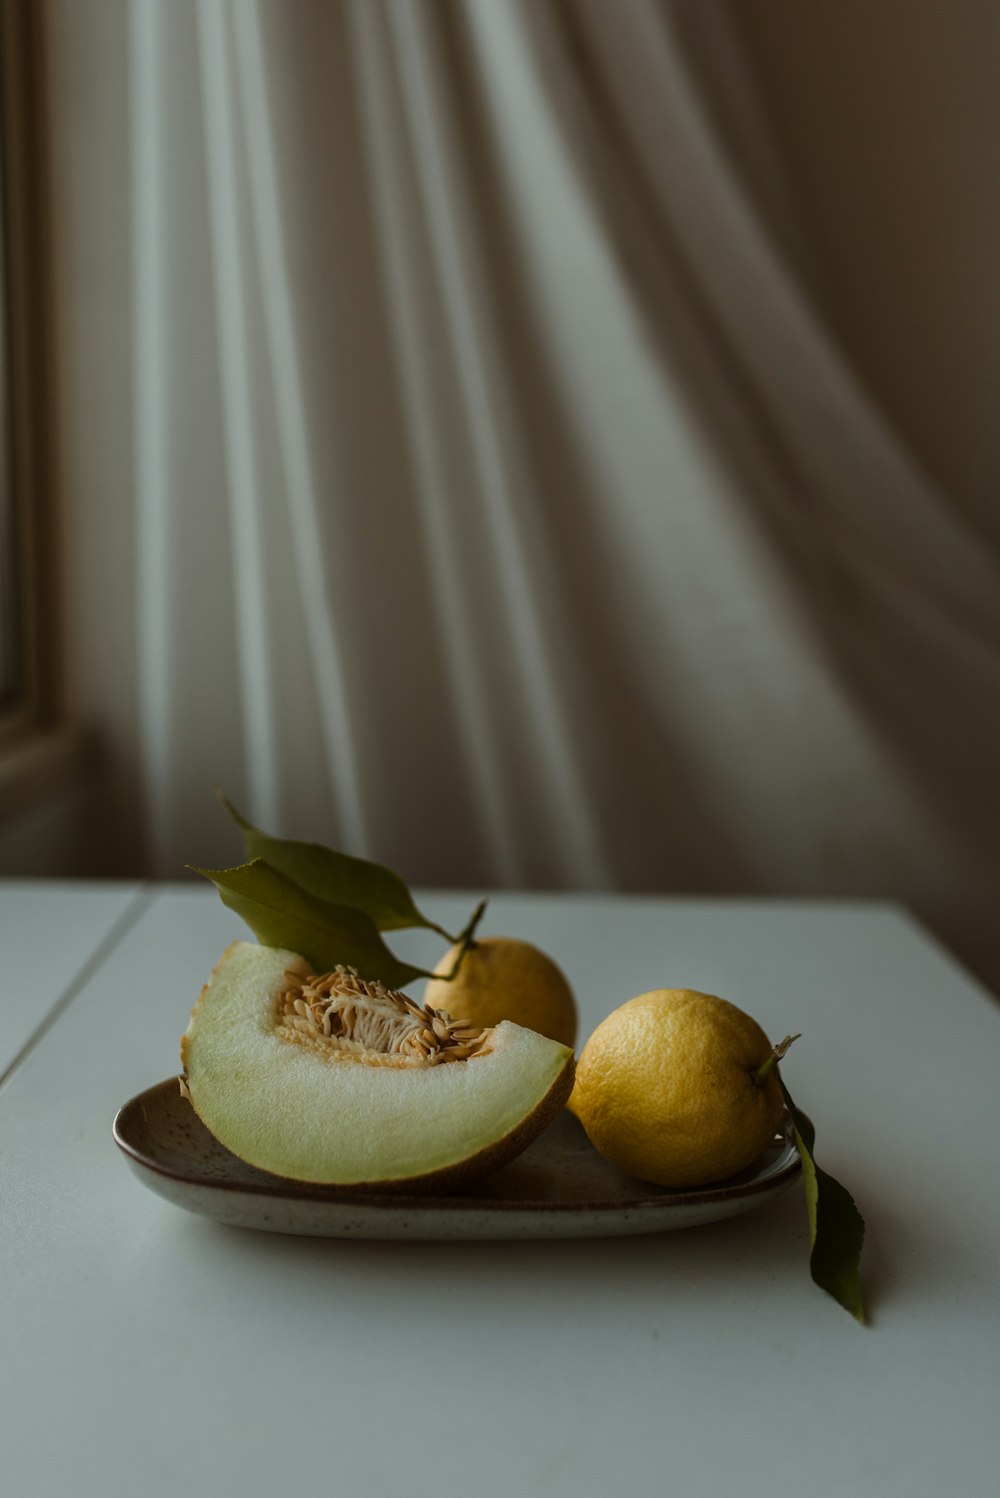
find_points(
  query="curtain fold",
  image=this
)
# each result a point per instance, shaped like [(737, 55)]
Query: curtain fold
[(326, 626), (503, 506), (234, 309), (429, 387), (512, 519), (839, 444)]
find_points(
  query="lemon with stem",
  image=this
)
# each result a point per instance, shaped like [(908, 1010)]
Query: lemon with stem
[(679, 1087), (502, 978)]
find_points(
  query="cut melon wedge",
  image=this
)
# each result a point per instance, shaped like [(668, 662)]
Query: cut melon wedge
[(342, 1083)]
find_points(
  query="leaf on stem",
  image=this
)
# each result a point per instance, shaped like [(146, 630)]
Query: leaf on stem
[(281, 913), (337, 877), (836, 1227)]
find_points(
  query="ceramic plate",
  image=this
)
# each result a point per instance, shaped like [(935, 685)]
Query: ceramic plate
[(559, 1188)]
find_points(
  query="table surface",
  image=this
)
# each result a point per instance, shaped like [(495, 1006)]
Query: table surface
[(40, 973), (147, 1350)]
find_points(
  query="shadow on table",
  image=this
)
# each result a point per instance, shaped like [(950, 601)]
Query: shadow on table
[(753, 1257)]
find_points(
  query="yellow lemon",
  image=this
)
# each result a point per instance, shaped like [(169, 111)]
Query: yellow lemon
[(666, 1088), (502, 978)]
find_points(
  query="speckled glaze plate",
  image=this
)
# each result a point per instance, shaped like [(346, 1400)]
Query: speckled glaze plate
[(559, 1188)]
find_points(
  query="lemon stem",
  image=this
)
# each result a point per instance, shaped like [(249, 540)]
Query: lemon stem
[(466, 940), (760, 1075)]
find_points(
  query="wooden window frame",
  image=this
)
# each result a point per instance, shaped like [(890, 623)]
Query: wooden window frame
[(36, 742)]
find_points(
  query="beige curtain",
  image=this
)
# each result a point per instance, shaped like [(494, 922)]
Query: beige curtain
[(460, 471)]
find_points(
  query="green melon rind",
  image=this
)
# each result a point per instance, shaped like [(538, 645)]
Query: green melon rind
[(284, 1110)]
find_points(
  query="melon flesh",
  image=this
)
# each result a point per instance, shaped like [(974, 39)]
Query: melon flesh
[(342, 1121)]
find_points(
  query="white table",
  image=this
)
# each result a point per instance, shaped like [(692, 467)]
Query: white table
[(51, 934), (147, 1351)]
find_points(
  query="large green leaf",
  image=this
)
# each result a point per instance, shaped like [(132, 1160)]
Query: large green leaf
[(337, 877), (281, 913), (836, 1227)]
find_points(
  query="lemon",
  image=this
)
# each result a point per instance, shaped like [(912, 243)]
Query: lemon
[(502, 978), (666, 1088)]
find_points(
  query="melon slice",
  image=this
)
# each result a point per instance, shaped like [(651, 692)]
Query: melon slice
[(329, 1079)]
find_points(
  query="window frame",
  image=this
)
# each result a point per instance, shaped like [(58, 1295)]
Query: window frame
[(36, 742)]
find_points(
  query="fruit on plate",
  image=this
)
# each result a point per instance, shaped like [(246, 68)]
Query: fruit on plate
[(501, 978), (329, 1079), (678, 1087)]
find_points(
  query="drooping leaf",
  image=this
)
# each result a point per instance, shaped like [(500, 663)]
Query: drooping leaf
[(836, 1227), (281, 913), (337, 877)]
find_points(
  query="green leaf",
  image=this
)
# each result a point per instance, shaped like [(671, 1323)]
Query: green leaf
[(836, 1227), (337, 877), (281, 913)]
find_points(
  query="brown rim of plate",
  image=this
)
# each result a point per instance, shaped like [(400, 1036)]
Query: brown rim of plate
[(280, 1187)]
